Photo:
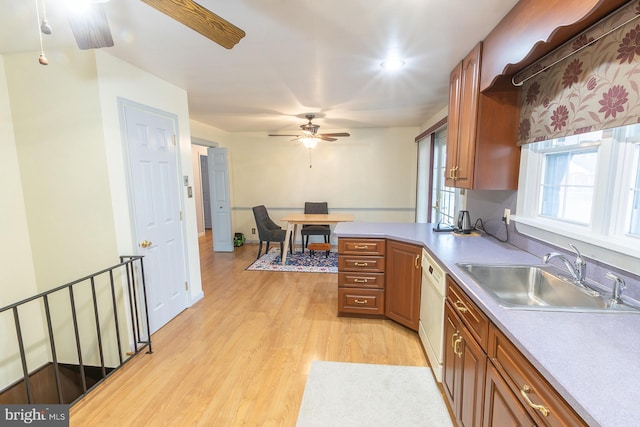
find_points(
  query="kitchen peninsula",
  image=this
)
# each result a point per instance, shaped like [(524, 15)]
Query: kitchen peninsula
[(586, 357)]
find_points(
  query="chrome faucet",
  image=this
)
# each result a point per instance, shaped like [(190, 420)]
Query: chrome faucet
[(577, 269), (618, 287)]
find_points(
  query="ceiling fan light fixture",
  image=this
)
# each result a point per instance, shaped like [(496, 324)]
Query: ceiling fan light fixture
[(310, 142)]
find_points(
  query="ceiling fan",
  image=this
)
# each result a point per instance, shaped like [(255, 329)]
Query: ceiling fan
[(310, 135), (200, 19), (91, 29)]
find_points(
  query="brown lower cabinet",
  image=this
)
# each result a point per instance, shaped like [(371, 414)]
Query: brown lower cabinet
[(543, 404), (380, 278), (464, 370), (501, 406), (489, 382), (403, 277), (361, 287)]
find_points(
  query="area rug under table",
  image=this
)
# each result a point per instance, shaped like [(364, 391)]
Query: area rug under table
[(299, 262), (357, 394)]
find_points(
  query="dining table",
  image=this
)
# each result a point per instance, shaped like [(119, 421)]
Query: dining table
[(294, 220)]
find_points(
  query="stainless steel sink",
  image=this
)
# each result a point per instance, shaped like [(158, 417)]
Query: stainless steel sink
[(538, 287)]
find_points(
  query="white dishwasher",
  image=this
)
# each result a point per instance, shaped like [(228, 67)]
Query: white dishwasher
[(432, 312)]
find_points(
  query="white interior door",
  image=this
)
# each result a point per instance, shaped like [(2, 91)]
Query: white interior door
[(154, 188), (220, 202)]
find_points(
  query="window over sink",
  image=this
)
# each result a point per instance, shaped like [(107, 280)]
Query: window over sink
[(585, 188)]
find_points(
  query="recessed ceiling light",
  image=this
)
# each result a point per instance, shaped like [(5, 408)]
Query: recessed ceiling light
[(392, 64)]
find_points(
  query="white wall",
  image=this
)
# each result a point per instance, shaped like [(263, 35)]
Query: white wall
[(117, 78)]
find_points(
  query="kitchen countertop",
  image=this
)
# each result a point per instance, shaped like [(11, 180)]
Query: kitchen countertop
[(591, 359)]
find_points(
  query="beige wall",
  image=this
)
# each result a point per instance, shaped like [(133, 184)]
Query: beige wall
[(16, 259), (118, 79), (371, 174), (68, 208), (56, 117), (435, 118), (60, 144)]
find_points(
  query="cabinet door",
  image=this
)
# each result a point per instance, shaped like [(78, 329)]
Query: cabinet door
[(470, 83), (453, 124), (473, 365), (501, 406), (403, 283), (464, 371), (451, 365)]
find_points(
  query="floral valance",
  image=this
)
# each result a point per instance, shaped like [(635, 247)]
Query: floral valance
[(596, 88)]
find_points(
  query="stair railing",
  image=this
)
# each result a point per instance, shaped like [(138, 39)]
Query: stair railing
[(131, 270)]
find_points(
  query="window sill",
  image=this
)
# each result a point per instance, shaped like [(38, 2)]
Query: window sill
[(616, 254)]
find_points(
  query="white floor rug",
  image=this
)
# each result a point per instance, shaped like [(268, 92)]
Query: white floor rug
[(356, 394)]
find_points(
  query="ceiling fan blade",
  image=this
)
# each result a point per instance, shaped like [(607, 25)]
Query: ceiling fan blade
[(336, 134), (324, 137), (200, 19), (90, 28)]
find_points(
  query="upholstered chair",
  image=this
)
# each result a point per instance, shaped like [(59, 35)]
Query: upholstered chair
[(315, 230), (268, 231)]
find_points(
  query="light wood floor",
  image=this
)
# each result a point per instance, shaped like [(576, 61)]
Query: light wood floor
[(240, 356)]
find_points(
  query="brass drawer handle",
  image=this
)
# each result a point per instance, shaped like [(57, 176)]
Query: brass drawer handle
[(361, 247), (360, 301), (361, 264), (360, 280), (453, 340), (456, 350), (416, 262), (543, 409), (460, 306)]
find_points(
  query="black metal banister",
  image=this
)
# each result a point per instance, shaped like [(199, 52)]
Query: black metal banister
[(74, 316), (133, 268), (50, 291)]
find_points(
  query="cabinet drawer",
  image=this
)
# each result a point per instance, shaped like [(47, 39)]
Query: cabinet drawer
[(373, 264), (361, 246), (361, 301), (471, 315), (525, 380), (360, 280)]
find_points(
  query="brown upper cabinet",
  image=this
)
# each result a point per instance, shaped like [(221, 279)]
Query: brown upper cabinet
[(481, 141), (483, 104)]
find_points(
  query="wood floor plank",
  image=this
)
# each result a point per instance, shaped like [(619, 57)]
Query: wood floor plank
[(241, 355)]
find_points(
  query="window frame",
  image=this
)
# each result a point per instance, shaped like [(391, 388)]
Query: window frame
[(604, 238)]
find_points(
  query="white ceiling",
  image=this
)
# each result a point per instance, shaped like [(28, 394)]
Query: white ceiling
[(299, 56)]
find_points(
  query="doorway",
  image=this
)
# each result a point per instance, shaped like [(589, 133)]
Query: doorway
[(206, 197)]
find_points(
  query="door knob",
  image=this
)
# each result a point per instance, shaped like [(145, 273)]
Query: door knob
[(145, 244)]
